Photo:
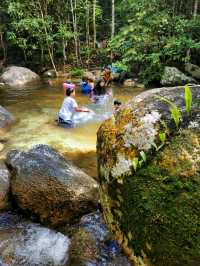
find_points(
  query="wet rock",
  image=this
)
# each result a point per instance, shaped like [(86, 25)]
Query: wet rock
[(193, 70), (129, 83), (18, 76), (29, 244), (88, 75), (93, 244), (6, 118), (4, 186), (45, 184), (152, 207), (49, 74), (172, 77)]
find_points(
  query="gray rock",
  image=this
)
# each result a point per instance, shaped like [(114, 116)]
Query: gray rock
[(172, 77), (6, 118), (15, 76), (193, 70), (27, 244), (49, 186), (49, 74), (4, 186)]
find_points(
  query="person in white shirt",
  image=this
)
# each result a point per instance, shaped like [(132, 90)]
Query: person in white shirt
[(69, 107)]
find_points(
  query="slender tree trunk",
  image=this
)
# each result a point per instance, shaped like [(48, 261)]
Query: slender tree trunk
[(88, 31), (113, 19), (94, 24), (75, 30), (196, 3), (48, 46), (3, 46)]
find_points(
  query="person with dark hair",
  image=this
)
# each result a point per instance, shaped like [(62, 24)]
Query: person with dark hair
[(116, 106), (69, 107)]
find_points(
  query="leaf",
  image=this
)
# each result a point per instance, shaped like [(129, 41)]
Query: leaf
[(135, 163), (162, 137), (141, 163), (176, 115), (154, 145), (143, 155), (188, 99)]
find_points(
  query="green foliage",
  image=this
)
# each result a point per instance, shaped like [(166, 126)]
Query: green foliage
[(76, 72), (156, 34), (188, 99), (175, 112), (138, 162)]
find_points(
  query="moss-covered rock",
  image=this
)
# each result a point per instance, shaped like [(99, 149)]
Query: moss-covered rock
[(152, 206)]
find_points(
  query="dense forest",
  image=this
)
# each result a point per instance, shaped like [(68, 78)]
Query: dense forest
[(143, 35)]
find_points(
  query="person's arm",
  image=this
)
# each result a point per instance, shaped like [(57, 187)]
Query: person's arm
[(79, 109)]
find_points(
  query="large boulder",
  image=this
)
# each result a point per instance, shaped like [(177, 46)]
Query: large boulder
[(149, 174), (6, 119), (193, 70), (44, 183), (4, 186), (29, 244), (172, 77), (18, 76)]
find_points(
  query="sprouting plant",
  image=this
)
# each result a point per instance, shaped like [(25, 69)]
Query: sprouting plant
[(135, 163), (139, 162), (162, 137), (175, 112), (188, 99), (143, 155)]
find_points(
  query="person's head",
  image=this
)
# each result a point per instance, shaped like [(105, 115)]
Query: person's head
[(70, 89), (107, 69), (116, 104)]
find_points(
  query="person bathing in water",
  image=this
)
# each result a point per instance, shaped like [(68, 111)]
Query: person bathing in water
[(69, 107), (101, 87)]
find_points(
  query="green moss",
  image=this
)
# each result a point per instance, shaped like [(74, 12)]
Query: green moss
[(159, 206)]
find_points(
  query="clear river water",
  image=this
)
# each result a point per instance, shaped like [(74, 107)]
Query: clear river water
[(35, 108)]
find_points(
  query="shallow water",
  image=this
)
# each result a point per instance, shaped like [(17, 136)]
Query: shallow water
[(35, 109)]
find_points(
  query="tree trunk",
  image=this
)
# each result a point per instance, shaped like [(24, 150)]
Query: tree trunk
[(88, 31), (94, 24), (3, 46), (75, 30), (196, 3), (113, 19), (48, 46)]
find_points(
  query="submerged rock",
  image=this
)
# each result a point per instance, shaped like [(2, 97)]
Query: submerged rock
[(93, 245), (18, 76), (4, 186), (172, 77), (150, 187), (27, 244), (44, 183), (6, 118)]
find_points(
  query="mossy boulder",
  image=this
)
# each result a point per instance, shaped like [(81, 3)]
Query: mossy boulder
[(150, 189)]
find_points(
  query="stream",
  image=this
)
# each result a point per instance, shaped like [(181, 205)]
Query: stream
[(35, 109)]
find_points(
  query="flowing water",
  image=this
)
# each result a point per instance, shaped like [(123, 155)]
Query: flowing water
[(35, 109)]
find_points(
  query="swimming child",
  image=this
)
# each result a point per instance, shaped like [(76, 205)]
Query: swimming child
[(69, 107)]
